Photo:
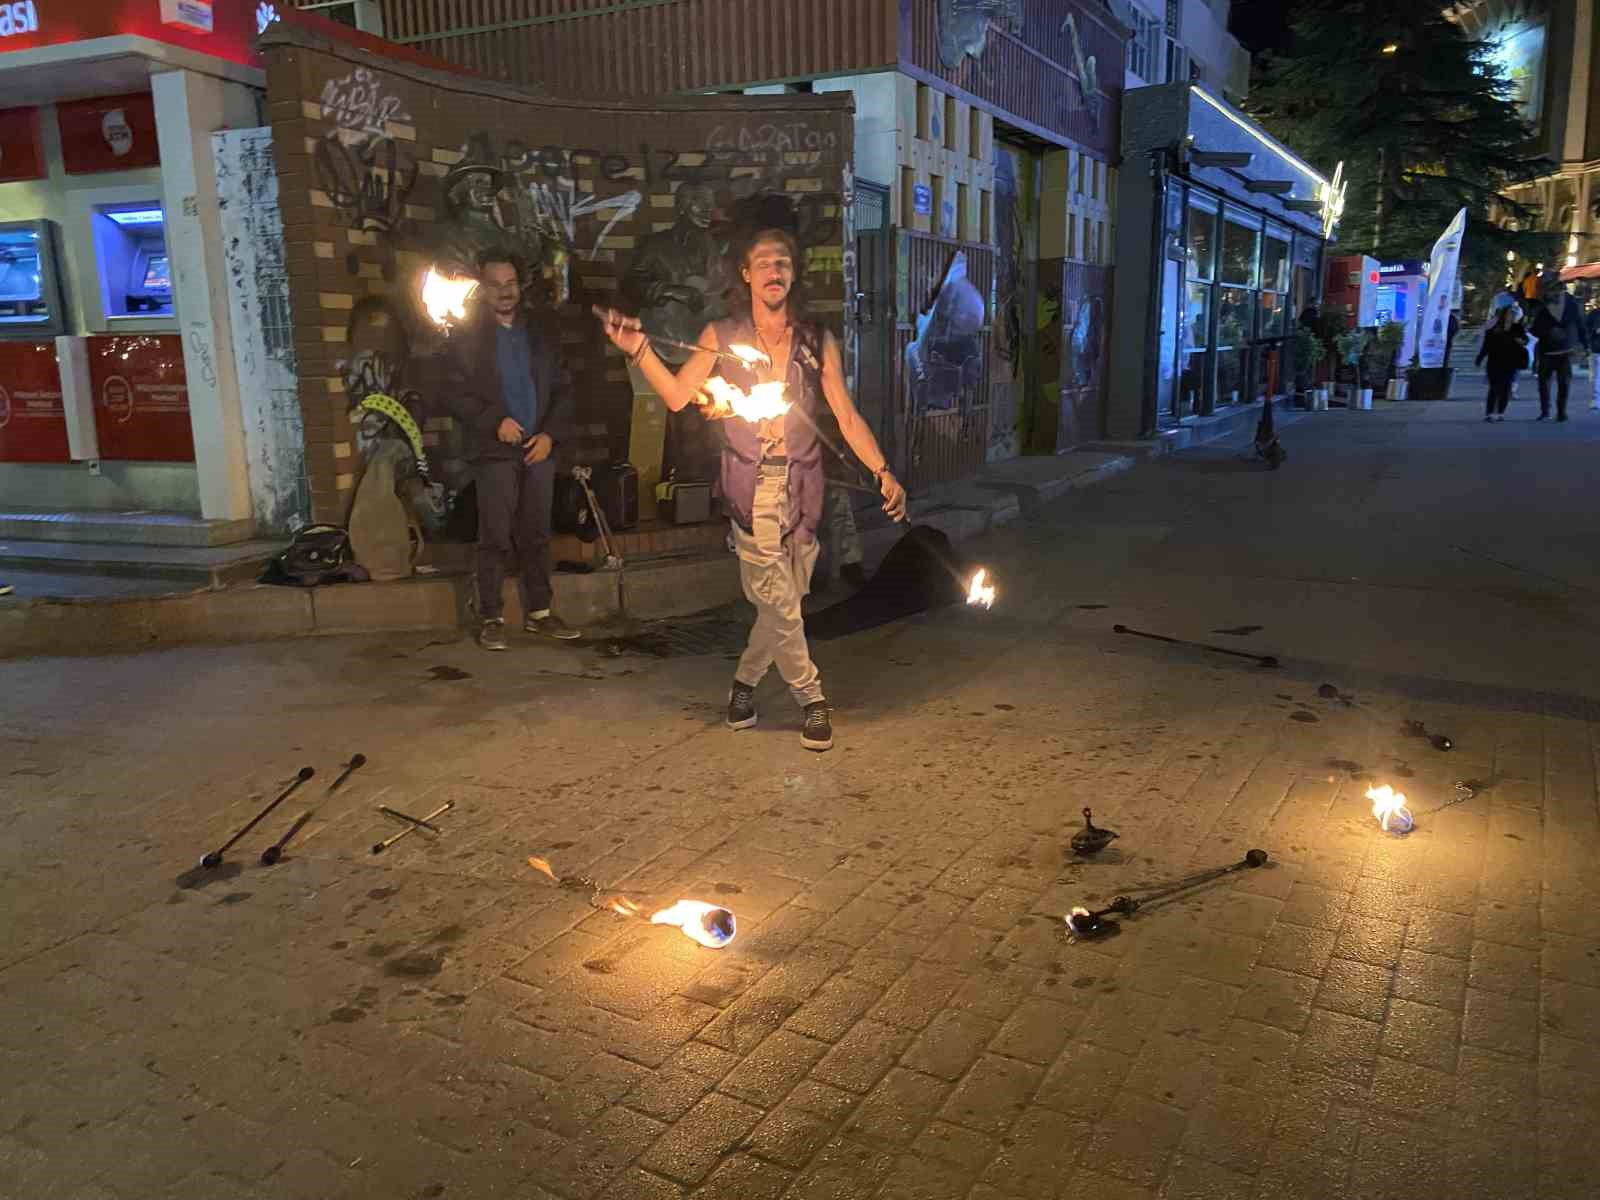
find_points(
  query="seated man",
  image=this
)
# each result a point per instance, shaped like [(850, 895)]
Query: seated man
[(504, 389)]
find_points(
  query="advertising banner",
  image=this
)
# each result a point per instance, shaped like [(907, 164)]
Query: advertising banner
[(33, 424), (1441, 290), (141, 398), (20, 155), (114, 133)]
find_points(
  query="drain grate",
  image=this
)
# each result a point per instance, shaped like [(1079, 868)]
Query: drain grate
[(683, 639)]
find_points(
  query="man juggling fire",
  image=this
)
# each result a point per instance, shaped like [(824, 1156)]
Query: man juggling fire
[(768, 373)]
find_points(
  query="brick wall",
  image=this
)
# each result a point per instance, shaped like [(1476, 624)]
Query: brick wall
[(377, 162)]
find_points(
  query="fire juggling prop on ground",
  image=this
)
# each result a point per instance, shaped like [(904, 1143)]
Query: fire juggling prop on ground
[(1389, 806), (1097, 923), (708, 924), (980, 593)]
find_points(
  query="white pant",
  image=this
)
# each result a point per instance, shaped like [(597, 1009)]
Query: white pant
[(776, 574)]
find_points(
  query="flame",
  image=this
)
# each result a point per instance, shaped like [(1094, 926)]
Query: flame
[(979, 592), (543, 865), (761, 403), (1389, 806), (708, 924), (750, 355), (445, 297)]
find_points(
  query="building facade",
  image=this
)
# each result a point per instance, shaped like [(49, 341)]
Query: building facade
[(1184, 41), (1222, 233), (985, 150), (1548, 49)]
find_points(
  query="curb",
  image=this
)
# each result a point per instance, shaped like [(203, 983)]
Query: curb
[(647, 589)]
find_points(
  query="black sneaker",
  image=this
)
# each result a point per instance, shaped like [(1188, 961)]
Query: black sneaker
[(551, 626), (1562, 417), (818, 731), (741, 706), (492, 634)]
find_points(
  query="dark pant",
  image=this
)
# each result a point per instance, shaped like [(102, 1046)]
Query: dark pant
[(514, 503), (1559, 365), (1499, 390)]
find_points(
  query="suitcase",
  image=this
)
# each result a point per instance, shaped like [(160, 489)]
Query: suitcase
[(686, 503), (616, 489)]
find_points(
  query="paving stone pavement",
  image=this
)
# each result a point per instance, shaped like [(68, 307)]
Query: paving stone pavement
[(903, 1014)]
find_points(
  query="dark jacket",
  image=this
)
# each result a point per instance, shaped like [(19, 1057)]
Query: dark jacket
[(1559, 337), (470, 388), (1506, 349)]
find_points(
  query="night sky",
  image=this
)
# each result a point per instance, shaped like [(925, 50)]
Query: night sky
[(1261, 24)]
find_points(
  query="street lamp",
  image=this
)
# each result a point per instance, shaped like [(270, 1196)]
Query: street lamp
[(1392, 48)]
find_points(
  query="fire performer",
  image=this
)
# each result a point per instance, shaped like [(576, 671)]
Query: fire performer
[(772, 470)]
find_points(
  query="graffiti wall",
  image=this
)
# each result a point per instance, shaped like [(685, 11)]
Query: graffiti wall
[(263, 332), (392, 170)]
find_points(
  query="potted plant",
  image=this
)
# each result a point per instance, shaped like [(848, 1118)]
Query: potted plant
[(1351, 345), (1308, 356), (1388, 340)]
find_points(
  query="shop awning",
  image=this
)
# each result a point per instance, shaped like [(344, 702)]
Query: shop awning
[(1582, 271)]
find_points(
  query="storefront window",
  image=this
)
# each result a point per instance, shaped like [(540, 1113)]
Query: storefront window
[(1233, 318), (1241, 248), (1197, 317), (1230, 376), (1274, 264), (1273, 309), (1202, 241)]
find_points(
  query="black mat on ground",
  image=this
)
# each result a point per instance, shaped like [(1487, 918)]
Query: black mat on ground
[(920, 572)]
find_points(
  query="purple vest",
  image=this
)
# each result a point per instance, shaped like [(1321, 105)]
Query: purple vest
[(741, 440)]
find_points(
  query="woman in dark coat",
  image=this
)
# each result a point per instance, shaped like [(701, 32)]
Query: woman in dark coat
[(1505, 346)]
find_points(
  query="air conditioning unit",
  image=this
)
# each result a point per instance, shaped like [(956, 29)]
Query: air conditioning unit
[(364, 15)]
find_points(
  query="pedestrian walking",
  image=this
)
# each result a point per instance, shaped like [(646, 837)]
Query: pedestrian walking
[(772, 470), (1558, 325), (503, 388), (1591, 328), (1505, 347)]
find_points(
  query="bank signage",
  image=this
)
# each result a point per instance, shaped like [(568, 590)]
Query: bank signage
[(187, 14), (18, 19)]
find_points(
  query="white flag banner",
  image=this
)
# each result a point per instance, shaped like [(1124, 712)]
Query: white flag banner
[(1442, 266)]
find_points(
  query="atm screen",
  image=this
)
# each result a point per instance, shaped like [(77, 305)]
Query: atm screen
[(19, 267), (156, 276)]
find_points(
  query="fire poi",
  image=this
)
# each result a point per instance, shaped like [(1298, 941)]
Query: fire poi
[(1085, 923), (710, 925), (1389, 806), (445, 297)]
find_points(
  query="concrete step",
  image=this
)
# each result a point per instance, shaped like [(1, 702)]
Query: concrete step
[(197, 566), (130, 528)]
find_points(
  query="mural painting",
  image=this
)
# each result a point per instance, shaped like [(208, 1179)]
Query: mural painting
[(637, 207)]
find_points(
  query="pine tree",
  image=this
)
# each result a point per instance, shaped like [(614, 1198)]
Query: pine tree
[(1423, 120)]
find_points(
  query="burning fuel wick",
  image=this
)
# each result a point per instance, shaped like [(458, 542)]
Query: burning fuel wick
[(709, 924), (1389, 806)]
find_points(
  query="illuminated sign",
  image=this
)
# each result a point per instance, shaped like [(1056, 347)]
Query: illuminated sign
[(193, 15), (19, 18), (1331, 193), (266, 14)]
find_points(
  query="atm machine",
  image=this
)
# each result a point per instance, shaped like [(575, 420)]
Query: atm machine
[(30, 281), (135, 273), (32, 315), (1402, 288)]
